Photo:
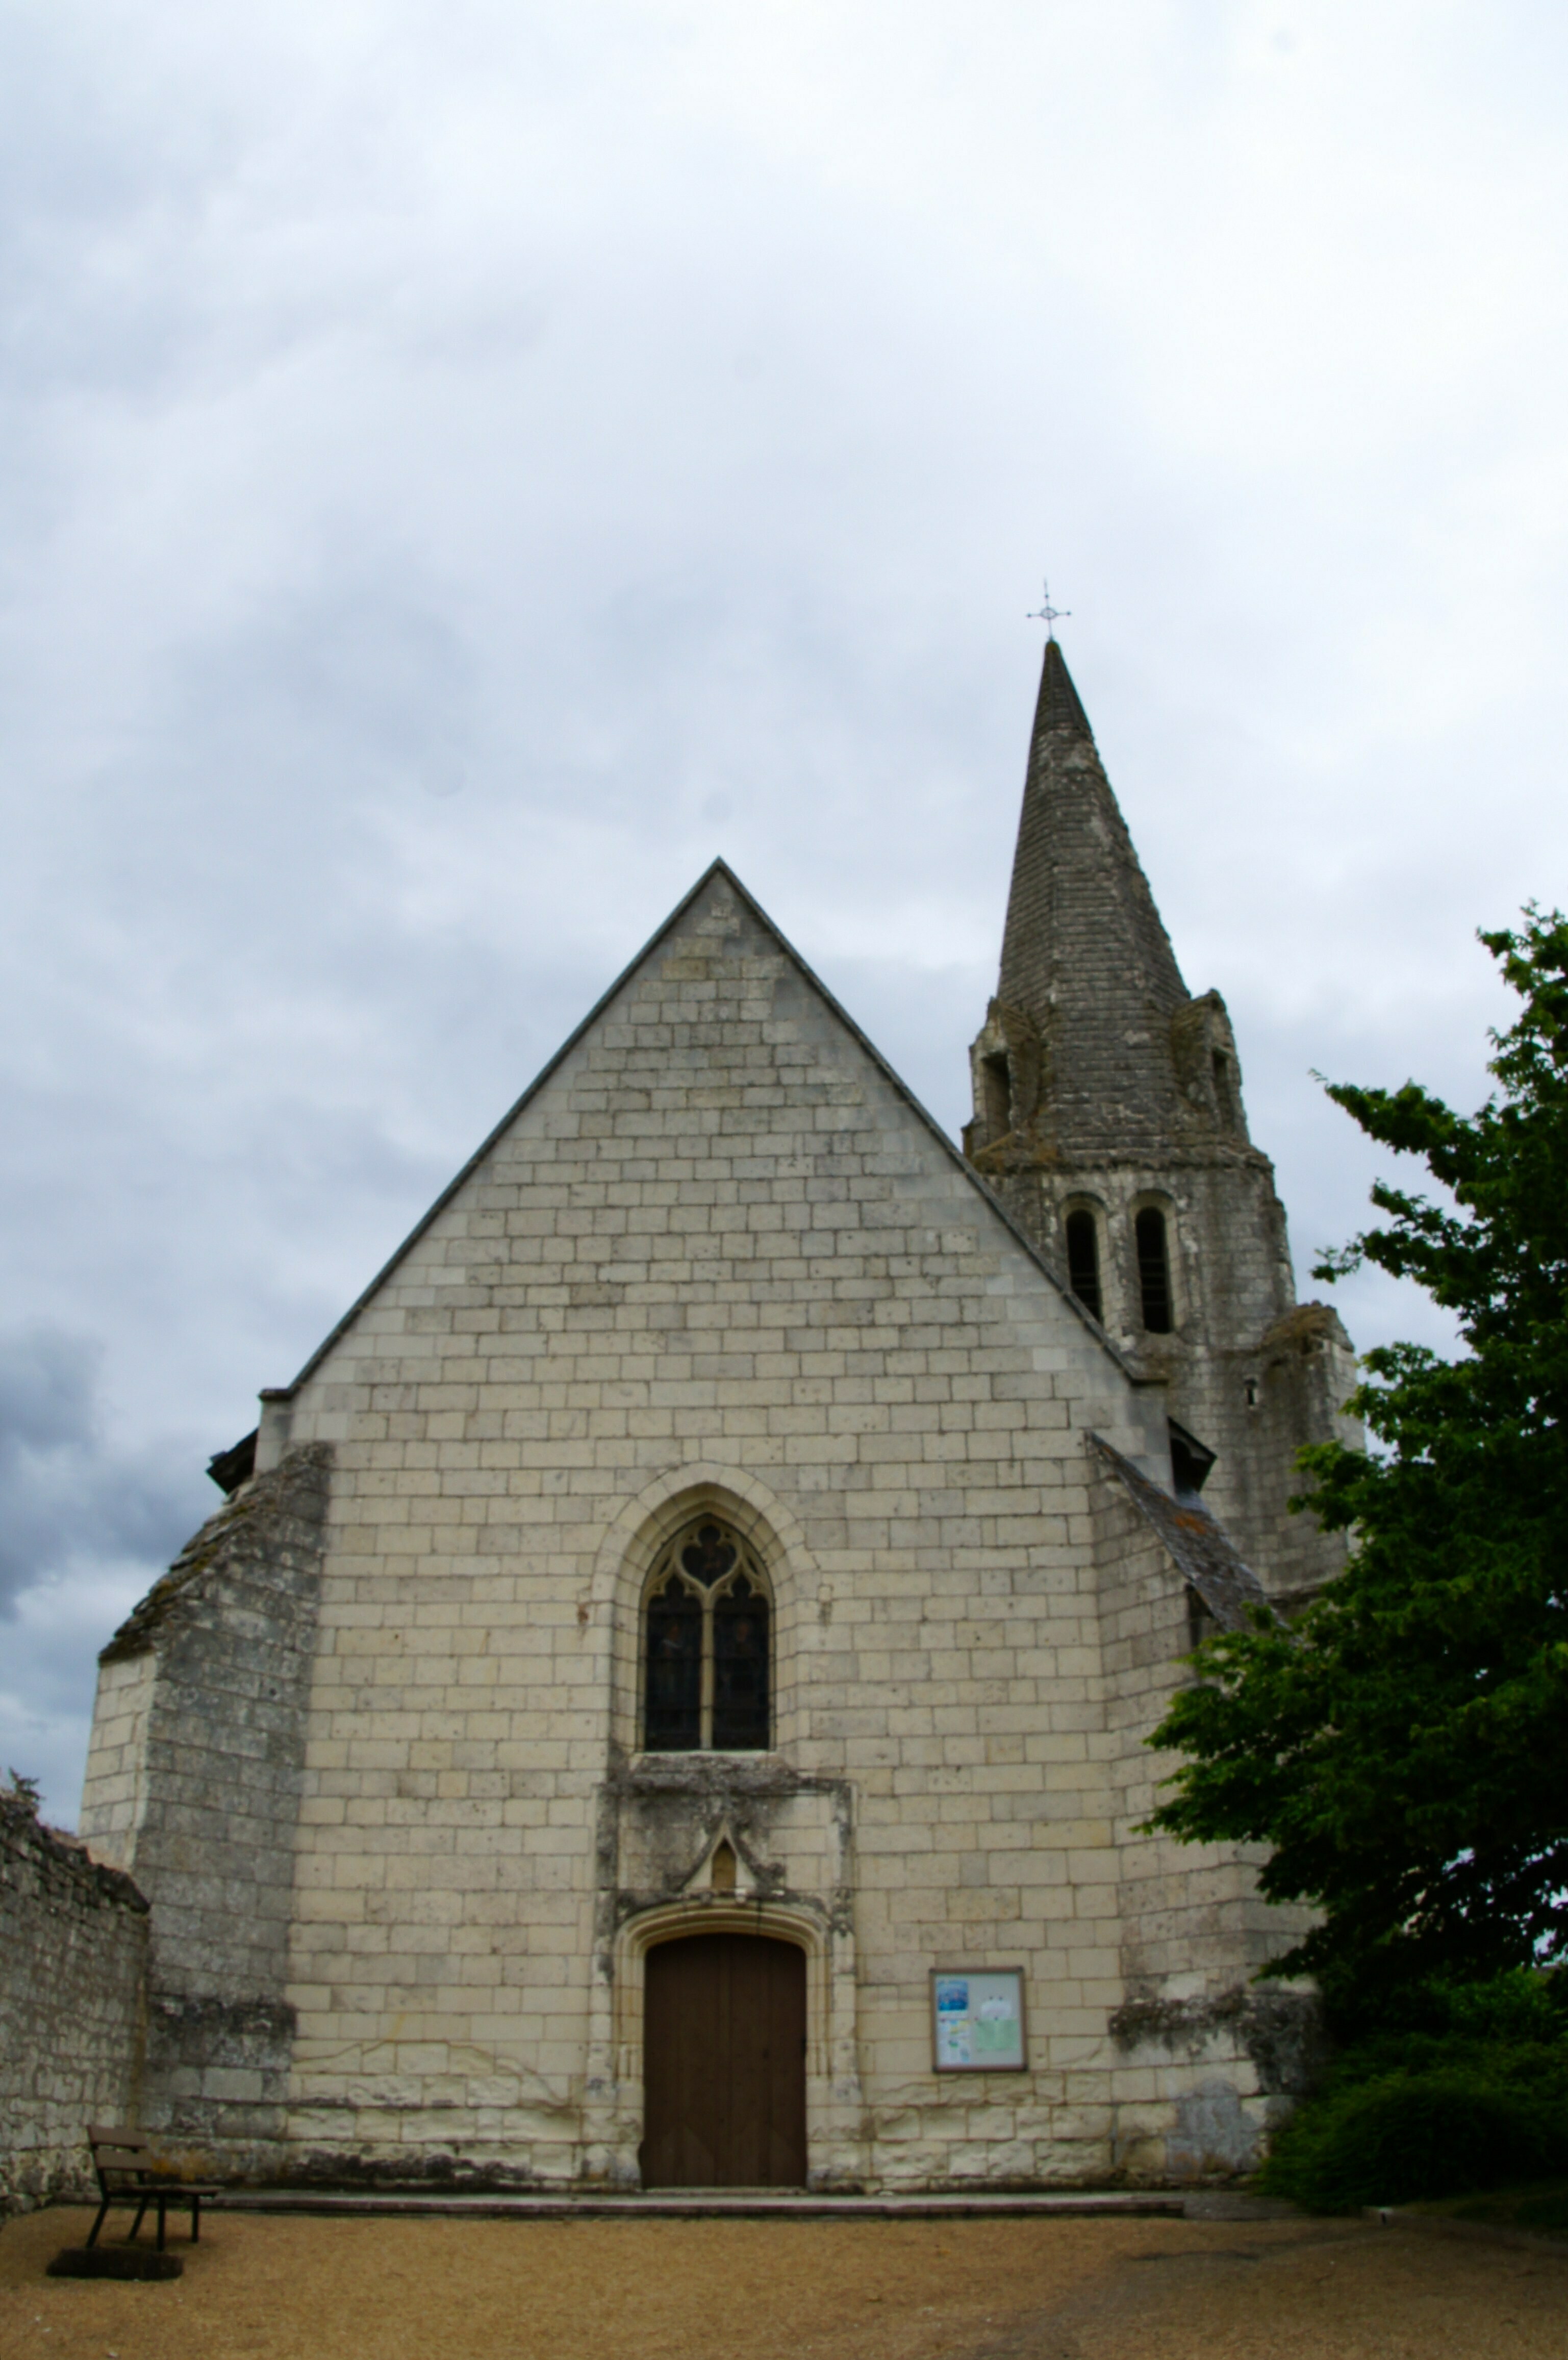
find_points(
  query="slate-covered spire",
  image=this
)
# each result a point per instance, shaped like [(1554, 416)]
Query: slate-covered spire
[(1108, 1119), (1081, 918), (1086, 963), (1058, 704)]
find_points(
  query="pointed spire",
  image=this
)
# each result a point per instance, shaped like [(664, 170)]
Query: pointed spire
[(1085, 959), (1059, 705)]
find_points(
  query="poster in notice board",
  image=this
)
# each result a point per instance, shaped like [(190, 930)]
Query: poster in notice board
[(978, 2020)]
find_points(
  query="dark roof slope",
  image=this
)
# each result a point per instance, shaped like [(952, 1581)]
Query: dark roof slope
[(1196, 1545)]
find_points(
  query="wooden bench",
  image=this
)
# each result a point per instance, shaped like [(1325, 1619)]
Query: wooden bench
[(123, 2160)]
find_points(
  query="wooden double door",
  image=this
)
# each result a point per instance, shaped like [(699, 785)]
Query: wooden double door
[(725, 2063)]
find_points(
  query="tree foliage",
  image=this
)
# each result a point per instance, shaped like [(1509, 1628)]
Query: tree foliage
[(1402, 1749)]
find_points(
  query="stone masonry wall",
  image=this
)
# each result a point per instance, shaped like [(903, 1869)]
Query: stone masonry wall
[(1251, 1372), (1203, 2062), (73, 1938), (715, 1258), (193, 1777)]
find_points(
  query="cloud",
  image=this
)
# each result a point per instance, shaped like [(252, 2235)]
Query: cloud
[(47, 1676), (469, 465), (84, 1529), (66, 1496), (46, 1382)]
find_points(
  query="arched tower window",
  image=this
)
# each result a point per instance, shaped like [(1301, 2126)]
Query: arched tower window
[(996, 1093), (1153, 1270), (1084, 1260), (706, 1617), (1227, 1092)]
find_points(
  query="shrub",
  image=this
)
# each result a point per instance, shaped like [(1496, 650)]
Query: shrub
[(1409, 2136), (1547, 2214), (1536, 2069), (1521, 2005), (1515, 2007)]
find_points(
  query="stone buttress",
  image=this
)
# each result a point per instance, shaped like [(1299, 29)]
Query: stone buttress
[(193, 1781)]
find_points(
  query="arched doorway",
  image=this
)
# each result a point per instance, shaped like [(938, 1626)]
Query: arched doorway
[(725, 2063)]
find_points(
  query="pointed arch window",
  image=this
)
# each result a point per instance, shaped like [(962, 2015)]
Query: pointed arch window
[(997, 1092), (707, 1646)]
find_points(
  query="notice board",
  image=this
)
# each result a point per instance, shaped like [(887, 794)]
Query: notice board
[(978, 2020)]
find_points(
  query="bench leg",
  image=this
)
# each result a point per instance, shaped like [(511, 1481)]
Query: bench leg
[(195, 2219), (92, 2232), (136, 2223), (162, 2206)]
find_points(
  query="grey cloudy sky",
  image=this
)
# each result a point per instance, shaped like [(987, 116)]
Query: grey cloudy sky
[(465, 464)]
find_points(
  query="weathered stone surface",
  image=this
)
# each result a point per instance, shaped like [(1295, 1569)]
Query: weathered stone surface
[(1102, 1086), (1280, 2025), (72, 1956), (193, 1779), (1086, 964), (375, 1745)]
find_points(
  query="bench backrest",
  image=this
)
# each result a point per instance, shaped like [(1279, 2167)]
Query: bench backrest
[(118, 2155)]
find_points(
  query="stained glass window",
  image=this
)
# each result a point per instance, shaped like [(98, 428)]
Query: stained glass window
[(674, 1670), (707, 1685), (740, 1666)]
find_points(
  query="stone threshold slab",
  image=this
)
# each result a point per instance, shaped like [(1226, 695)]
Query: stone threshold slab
[(690, 2203)]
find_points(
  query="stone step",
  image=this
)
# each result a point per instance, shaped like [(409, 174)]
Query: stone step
[(687, 2203)]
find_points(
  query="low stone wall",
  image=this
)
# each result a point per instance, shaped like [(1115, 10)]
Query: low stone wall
[(73, 1944)]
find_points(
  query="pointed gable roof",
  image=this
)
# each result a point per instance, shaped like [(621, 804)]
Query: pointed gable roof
[(1084, 955), (717, 870)]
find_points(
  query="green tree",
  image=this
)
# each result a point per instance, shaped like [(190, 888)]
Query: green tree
[(1402, 1749)]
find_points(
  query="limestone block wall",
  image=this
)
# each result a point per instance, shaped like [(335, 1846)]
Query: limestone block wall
[(1203, 2060), (1300, 1377), (72, 1960), (375, 1745), (193, 1777), (715, 1259), (114, 1791)]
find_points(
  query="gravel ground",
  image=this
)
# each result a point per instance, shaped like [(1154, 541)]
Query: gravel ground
[(261, 2287)]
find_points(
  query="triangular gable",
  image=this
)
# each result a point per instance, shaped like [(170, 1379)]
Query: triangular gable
[(718, 869)]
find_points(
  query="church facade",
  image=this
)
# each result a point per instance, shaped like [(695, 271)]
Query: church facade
[(664, 1702)]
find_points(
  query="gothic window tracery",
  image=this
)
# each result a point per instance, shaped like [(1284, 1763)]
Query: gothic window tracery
[(706, 1634)]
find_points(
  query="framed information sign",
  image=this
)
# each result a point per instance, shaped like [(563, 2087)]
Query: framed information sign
[(978, 2020)]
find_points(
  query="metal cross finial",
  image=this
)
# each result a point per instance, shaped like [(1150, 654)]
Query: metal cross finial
[(1047, 614)]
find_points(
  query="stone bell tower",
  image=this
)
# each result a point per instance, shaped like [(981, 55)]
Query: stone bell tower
[(1108, 1116)]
